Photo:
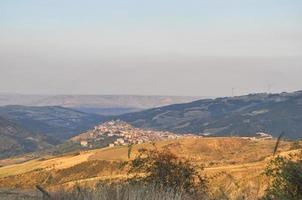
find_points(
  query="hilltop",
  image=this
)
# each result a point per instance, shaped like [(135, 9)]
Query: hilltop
[(119, 133), (237, 116)]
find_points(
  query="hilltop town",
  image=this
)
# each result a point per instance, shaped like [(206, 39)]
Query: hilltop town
[(119, 133)]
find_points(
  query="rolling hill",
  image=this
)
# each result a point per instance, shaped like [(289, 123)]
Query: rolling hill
[(97, 104), (228, 159), (57, 122), (242, 116), (15, 140)]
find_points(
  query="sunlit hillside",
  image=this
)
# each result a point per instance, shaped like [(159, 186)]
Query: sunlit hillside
[(228, 161)]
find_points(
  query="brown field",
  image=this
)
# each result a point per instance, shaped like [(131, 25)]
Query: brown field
[(228, 161)]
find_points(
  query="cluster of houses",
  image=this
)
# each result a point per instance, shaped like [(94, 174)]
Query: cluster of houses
[(119, 133), (123, 134)]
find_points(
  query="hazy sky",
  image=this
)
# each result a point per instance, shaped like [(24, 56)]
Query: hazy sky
[(163, 47)]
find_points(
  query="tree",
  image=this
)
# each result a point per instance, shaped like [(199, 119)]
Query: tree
[(167, 170)]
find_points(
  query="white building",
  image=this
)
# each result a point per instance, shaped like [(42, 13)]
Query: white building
[(84, 143), (120, 140)]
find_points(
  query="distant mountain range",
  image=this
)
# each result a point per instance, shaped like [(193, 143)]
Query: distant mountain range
[(98, 104), (242, 116), (15, 140)]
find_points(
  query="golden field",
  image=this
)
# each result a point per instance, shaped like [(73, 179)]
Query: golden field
[(228, 162)]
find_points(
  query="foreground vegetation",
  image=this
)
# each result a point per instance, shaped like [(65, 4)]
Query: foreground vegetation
[(159, 172), (166, 177), (286, 178)]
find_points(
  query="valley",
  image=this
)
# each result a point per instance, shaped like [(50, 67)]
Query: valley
[(229, 140), (150, 100), (56, 122), (95, 104)]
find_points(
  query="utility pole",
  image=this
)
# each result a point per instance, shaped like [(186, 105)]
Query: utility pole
[(233, 92), (269, 87)]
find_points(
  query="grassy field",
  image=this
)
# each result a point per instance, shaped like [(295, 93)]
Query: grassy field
[(231, 161)]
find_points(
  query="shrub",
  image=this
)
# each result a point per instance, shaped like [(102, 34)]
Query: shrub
[(286, 178), (165, 170)]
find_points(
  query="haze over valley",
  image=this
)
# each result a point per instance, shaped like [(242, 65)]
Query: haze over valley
[(151, 100), (98, 104)]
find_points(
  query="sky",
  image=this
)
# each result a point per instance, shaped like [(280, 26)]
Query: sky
[(158, 47)]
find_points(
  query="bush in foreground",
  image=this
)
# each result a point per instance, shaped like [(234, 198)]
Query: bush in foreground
[(156, 175), (286, 178), (166, 170)]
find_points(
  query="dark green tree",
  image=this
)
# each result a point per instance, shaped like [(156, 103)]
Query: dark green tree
[(286, 178), (165, 169)]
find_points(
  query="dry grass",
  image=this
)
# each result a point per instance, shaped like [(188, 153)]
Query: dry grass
[(106, 192), (230, 160), (209, 151), (45, 164)]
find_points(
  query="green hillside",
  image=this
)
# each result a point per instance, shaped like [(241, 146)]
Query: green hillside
[(16, 140), (242, 116)]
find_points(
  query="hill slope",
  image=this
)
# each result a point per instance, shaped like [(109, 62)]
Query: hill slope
[(57, 122), (217, 154), (16, 140), (243, 116)]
